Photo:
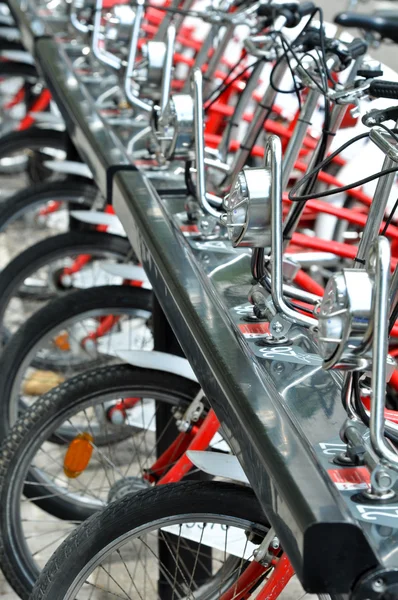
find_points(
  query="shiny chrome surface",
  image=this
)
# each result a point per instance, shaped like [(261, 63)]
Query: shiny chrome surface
[(278, 409), (344, 319), (380, 262)]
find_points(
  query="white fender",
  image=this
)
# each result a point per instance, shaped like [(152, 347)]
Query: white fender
[(47, 118), (126, 271), (218, 464), (96, 217), (18, 56), (158, 361), (69, 167)]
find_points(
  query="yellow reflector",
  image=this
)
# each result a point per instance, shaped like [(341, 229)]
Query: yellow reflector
[(78, 455), (61, 341)]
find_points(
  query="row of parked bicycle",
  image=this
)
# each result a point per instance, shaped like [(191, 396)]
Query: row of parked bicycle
[(95, 421)]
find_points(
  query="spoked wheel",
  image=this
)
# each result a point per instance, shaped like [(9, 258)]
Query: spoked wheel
[(69, 457), (44, 209), (55, 267), (25, 151), (189, 540), (68, 336)]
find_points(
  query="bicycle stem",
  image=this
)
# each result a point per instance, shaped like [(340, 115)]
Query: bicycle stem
[(241, 104), (300, 130), (376, 211), (295, 212), (263, 108)]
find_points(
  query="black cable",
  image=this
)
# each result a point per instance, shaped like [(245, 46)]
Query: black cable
[(359, 407), (188, 179), (266, 284), (319, 167), (390, 218), (345, 188), (393, 318), (224, 86), (257, 263)]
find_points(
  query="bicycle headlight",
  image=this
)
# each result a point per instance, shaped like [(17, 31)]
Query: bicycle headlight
[(174, 129), (248, 209), (118, 23), (344, 319)]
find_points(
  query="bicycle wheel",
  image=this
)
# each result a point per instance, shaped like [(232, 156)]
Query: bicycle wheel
[(25, 149), (188, 540), (44, 209), (17, 81), (56, 266), (34, 455), (54, 342)]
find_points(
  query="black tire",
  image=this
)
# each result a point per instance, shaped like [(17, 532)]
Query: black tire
[(130, 513), (47, 319), (37, 424), (32, 140), (49, 250), (82, 195), (16, 69)]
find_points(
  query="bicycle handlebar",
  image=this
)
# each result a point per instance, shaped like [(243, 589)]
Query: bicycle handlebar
[(384, 89)]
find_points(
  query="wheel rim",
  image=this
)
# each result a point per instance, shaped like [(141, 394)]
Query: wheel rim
[(131, 332), (38, 537)]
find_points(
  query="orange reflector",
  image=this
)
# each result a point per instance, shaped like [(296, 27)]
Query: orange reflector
[(78, 455), (61, 341)]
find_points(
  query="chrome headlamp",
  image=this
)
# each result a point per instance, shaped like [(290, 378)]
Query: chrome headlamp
[(344, 320), (118, 23), (248, 209), (174, 129), (150, 76)]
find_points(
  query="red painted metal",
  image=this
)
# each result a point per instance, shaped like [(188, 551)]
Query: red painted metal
[(201, 441), (278, 580), (306, 282), (81, 261), (242, 588), (40, 104), (173, 453)]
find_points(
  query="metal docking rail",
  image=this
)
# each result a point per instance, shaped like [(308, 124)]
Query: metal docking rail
[(279, 410)]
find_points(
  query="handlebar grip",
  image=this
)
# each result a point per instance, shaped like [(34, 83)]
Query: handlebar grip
[(357, 48), (306, 8), (384, 89)]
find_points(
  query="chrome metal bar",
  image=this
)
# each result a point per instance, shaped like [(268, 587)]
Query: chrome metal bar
[(381, 256), (216, 58), (294, 214), (168, 68), (201, 56), (299, 133), (243, 101), (200, 146), (107, 58), (75, 6), (273, 156), (177, 20), (376, 213), (382, 138), (135, 34), (260, 114), (168, 18)]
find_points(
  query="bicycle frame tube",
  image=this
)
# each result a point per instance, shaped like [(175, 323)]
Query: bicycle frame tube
[(215, 60), (297, 209), (243, 100), (376, 212), (263, 109), (299, 133), (201, 441)]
